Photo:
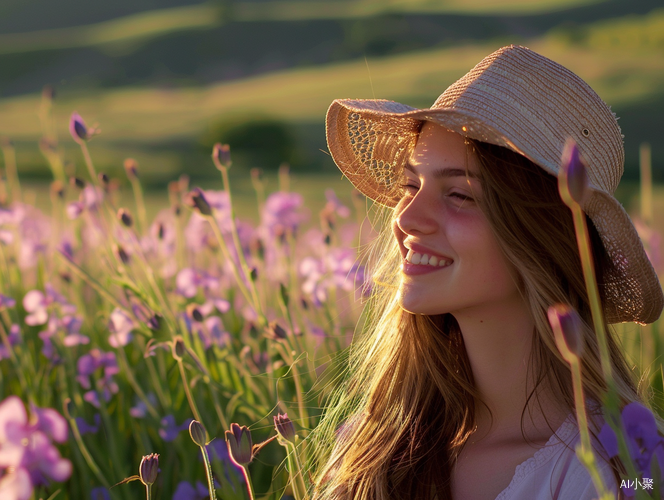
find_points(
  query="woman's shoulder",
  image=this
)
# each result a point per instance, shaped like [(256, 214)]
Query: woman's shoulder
[(555, 472)]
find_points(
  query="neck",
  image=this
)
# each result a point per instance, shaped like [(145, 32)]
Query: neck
[(498, 342)]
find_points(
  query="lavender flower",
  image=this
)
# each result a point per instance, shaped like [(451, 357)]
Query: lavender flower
[(14, 338), (89, 364), (6, 301), (281, 214), (120, 325), (185, 491), (85, 428), (567, 326), (641, 434), (100, 493), (221, 155), (170, 430), (140, 410), (26, 450)]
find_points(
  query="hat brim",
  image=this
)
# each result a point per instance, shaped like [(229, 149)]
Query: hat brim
[(391, 129)]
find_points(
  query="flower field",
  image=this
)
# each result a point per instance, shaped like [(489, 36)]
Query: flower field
[(117, 331), (191, 352)]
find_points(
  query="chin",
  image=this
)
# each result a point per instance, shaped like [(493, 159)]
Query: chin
[(410, 304)]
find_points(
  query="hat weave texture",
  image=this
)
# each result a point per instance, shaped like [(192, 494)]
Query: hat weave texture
[(520, 100)]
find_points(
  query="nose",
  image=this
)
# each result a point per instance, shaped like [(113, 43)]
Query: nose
[(417, 215)]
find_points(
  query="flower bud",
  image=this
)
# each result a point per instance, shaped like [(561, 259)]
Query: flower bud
[(274, 331), (285, 427), (149, 468), (178, 348), (77, 128), (125, 217), (58, 189), (194, 313), (195, 199), (221, 156), (121, 254), (131, 168), (567, 327), (240, 444), (77, 182), (103, 178), (573, 182), (197, 433)]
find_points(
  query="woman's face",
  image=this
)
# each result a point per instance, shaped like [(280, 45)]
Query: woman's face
[(439, 221)]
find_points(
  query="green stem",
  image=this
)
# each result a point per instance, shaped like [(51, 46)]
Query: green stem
[(585, 452), (187, 390), (208, 473), (12, 174), (583, 241), (148, 491), (236, 241), (84, 450), (132, 381), (88, 162), (140, 205), (297, 481)]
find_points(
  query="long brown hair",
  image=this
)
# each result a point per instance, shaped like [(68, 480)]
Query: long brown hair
[(395, 426)]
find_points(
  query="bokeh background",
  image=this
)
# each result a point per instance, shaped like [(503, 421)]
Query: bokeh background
[(166, 79)]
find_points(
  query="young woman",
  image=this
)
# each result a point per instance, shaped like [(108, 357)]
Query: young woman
[(456, 389)]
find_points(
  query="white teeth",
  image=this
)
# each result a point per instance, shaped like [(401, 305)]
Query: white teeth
[(418, 258)]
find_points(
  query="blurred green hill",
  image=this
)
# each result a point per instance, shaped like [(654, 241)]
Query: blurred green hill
[(162, 77)]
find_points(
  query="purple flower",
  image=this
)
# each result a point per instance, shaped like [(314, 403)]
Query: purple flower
[(26, 449), (89, 364), (335, 205), (6, 301), (85, 428), (170, 430), (14, 338), (120, 325), (141, 409), (185, 491), (641, 435), (77, 128), (100, 493), (188, 280), (74, 209), (218, 452), (281, 214)]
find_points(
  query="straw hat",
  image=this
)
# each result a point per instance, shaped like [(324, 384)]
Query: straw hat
[(522, 101)]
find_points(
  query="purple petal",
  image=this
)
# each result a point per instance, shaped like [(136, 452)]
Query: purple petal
[(609, 440), (34, 300), (16, 485), (100, 493), (51, 423)]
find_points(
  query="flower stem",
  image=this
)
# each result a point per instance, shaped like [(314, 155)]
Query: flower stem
[(148, 492), (297, 481), (208, 473), (88, 162)]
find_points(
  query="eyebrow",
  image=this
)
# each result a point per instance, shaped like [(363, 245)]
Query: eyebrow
[(444, 173)]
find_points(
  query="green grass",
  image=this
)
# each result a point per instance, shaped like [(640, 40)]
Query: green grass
[(116, 34)]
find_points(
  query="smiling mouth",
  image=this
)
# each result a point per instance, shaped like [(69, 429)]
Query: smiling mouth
[(419, 259)]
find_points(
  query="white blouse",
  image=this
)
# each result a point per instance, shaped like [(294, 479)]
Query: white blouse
[(555, 473)]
